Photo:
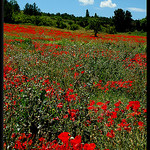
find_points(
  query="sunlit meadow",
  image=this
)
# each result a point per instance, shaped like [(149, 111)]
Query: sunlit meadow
[(72, 91)]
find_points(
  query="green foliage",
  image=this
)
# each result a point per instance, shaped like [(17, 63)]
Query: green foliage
[(109, 29), (83, 22), (9, 9), (119, 20), (67, 16), (122, 20), (60, 23), (31, 9), (36, 20), (143, 23), (15, 6), (22, 18), (95, 24), (87, 13), (44, 21), (128, 21), (74, 27)]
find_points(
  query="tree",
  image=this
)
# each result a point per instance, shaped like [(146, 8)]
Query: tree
[(143, 24), (87, 13), (95, 15), (31, 9), (128, 21), (119, 20), (7, 11), (60, 24), (36, 10), (83, 22), (10, 8), (95, 25), (15, 6), (27, 9)]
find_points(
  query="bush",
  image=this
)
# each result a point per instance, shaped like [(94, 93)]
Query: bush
[(109, 29), (63, 25), (60, 23), (36, 20), (74, 27), (44, 21), (70, 23), (22, 18)]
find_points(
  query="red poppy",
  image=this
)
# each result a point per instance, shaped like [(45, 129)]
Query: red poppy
[(140, 123), (92, 102), (116, 109), (104, 107), (90, 146), (41, 139), (60, 105), (111, 134), (91, 107), (13, 135), (76, 142), (117, 104), (99, 103), (134, 105), (76, 74), (64, 136)]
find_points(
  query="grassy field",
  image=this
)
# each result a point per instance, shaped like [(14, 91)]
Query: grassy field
[(68, 90)]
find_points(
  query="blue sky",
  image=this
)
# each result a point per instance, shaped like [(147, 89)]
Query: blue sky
[(103, 8)]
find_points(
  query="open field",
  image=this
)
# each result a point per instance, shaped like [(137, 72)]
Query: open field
[(72, 91)]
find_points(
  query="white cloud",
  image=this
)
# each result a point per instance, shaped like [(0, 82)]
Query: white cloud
[(87, 2), (107, 3), (136, 9)]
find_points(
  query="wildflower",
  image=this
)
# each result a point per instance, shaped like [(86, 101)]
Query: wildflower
[(140, 123), (21, 90), (117, 104), (76, 142), (76, 74), (65, 116), (13, 135), (91, 107), (104, 107), (41, 139), (64, 136), (116, 109), (90, 146), (60, 105), (111, 134), (99, 103), (92, 102), (134, 105), (113, 114)]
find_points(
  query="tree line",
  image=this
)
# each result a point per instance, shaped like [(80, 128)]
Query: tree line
[(121, 21)]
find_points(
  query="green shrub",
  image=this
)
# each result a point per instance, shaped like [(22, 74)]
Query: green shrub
[(70, 23), (74, 27), (60, 23), (44, 21), (109, 29)]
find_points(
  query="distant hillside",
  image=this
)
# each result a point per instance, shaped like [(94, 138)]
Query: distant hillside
[(33, 15)]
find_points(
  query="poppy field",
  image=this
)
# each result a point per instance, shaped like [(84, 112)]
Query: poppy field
[(69, 90)]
